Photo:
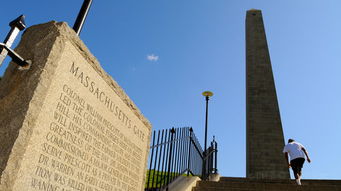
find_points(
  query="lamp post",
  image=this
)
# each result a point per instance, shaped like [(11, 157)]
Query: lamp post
[(207, 95), (83, 12)]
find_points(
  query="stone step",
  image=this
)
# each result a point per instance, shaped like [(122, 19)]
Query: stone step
[(238, 185), (268, 187), (297, 188), (245, 184), (305, 181)]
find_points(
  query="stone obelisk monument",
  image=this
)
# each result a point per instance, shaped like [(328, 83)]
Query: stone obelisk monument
[(264, 134)]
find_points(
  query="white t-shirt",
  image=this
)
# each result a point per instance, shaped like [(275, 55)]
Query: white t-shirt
[(295, 150)]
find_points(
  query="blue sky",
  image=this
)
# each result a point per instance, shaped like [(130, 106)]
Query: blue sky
[(198, 45)]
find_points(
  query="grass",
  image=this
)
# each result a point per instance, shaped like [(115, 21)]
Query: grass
[(159, 178)]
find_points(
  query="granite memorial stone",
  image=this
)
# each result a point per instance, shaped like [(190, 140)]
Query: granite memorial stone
[(65, 123)]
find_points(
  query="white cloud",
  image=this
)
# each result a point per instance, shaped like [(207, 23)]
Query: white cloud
[(152, 57)]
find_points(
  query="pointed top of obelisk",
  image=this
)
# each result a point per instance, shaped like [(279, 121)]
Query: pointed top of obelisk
[(252, 10)]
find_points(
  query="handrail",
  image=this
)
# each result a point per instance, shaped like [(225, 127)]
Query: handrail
[(176, 152)]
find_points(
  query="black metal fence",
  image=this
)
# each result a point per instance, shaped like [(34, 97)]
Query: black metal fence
[(176, 152), (211, 160)]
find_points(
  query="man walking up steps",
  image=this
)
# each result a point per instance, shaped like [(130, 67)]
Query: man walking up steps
[(297, 154)]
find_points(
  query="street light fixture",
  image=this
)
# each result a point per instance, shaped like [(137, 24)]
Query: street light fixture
[(207, 95)]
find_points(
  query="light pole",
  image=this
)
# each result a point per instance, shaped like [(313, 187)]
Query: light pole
[(83, 12), (207, 95)]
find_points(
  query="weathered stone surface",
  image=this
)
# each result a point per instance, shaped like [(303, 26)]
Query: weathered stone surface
[(265, 140), (65, 123)]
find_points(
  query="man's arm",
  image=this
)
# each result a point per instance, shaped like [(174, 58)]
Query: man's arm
[(287, 159), (306, 154)]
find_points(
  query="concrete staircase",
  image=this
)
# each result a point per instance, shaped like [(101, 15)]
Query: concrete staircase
[(245, 184)]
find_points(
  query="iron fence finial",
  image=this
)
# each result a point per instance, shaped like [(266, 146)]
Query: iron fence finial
[(18, 22)]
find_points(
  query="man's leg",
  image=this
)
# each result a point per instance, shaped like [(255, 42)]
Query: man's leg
[(299, 168), (297, 177), (294, 167)]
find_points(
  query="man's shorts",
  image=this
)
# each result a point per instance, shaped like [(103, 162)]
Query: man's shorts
[(297, 165)]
